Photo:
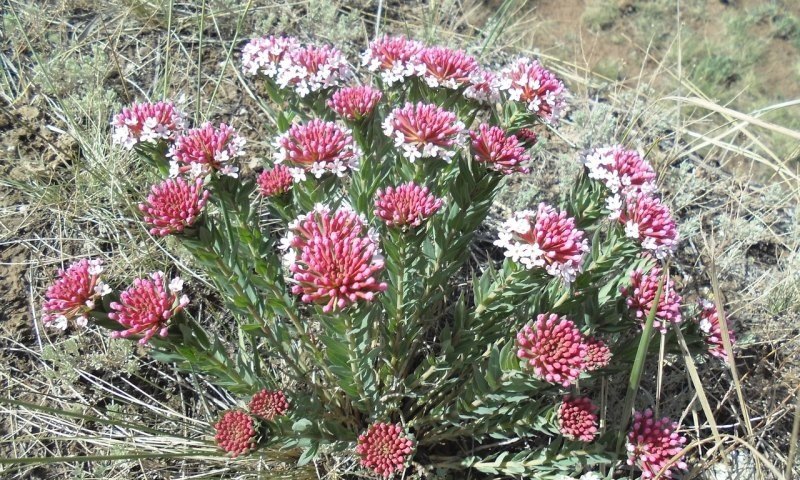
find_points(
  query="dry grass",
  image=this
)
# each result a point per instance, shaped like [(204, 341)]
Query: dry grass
[(66, 195)]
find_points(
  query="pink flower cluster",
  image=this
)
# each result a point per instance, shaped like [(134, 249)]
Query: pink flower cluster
[(650, 222), (267, 404), (445, 67), (73, 294), (236, 433), (355, 103), (598, 355), (577, 419), (264, 55), (545, 239), (621, 171), (333, 258), (498, 151), (312, 68), (385, 448), (653, 443), (173, 205), (147, 123), (529, 82), (147, 306), (424, 131), (641, 294), (407, 205), (276, 181), (203, 150), (482, 87), (554, 348), (317, 147), (394, 57), (710, 325)]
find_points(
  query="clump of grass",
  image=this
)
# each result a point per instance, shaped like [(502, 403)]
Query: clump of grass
[(600, 15)]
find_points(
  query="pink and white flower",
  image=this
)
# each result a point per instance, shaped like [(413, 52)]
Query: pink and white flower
[(73, 295), (394, 57), (424, 131), (445, 67), (147, 123), (498, 151), (652, 444), (147, 306), (385, 448), (312, 69), (334, 258), (649, 222), (201, 151), (482, 87), (407, 205), (621, 171), (553, 348), (527, 81), (264, 55), (317, 147), (712, 331), (174, 205), (355, 103), (641, 294), (544, 238)]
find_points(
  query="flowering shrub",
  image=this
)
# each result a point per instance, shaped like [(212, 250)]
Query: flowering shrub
[(365, 327)]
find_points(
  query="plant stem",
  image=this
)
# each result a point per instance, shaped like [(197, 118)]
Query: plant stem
[(638, 363)]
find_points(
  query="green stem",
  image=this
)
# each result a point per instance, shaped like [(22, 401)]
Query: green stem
[(399, 313), (638, 363)]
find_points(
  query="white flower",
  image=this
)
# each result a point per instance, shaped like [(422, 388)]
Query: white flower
[(176, 285)]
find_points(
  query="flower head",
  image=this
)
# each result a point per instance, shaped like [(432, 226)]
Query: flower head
[(652, 444), (424, 131), (146, 307), (710, 325), (554, 348), (147, 123), (335, 259), (577, 419), (173, 205), (641, 294), (621, 171), (355, 103), (268, 405), (317, 147), (203, 150), (444, 67), (236, 433), (394, 58), (598, 355), (73, 294), (275, 181), (545, 239), (406, 205), (498, 151), (650, 222), (482, 87), (527, 137), (263, 55), (385, 448), (313, 68), (529, 82)]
